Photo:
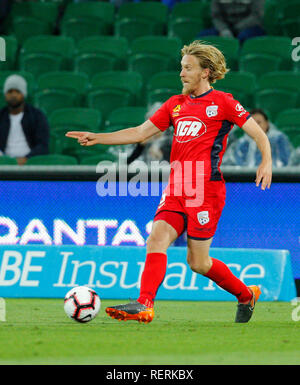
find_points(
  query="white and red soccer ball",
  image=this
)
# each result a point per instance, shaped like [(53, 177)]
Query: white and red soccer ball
[(82, 304)]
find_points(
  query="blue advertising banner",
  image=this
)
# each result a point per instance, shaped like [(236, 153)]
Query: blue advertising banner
[(74, 213), (50, 271)]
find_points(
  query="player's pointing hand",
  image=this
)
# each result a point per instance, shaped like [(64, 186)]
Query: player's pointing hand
[(83, 138), (264, 175)]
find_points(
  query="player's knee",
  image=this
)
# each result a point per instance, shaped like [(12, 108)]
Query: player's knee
[(157, 242), (199, 266)]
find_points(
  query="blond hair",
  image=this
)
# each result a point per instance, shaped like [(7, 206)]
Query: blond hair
[(209, 57)]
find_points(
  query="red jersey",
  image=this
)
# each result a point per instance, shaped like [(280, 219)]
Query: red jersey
[(201, 127)]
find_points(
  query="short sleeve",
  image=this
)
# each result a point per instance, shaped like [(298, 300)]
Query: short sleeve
[(162, 117), (235, 112)]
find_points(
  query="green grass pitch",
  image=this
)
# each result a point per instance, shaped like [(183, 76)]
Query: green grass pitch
[(37, 331)]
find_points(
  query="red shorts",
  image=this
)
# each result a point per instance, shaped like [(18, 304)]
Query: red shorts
[(198, 215)]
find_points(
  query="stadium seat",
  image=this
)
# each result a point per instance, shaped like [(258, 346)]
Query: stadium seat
[(50, 100), (147, 64), (133, 28), (95, 159), (287, 80), (126, 116), (101, 14), (44, 11), (229, 47), (11, 50), (52, 45), (191, 10), (106, 100), (290, 27), (149, 10), (289, 117), (51, 159), (78, 28), (240, 84), (278, 46), (259, 64), (64, 80), (275, 100), (83, 118), (7, 161), (93, 63), (160, 45), (185, 28), (40, 63), (26, 27), (122, 80), (162, 86), (106, 45)]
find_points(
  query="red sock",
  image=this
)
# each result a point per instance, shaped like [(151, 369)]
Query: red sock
[(223, 277), (153, 275)]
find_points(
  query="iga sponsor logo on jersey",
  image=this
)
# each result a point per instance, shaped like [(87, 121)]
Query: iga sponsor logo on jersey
[(188, 128)]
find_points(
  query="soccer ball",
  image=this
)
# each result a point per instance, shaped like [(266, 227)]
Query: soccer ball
[(82, 304)]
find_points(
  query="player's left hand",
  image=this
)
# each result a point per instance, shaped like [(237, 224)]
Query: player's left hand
[(264, 175)]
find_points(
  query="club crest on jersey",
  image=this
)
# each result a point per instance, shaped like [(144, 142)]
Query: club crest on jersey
[(212, 111), (189, 128), (203, 217)]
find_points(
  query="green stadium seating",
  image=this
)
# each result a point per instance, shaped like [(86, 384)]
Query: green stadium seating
[(51, 159), (7, 161), (52, 45), (11, 50), (275, 100), (184, 28), (289, 117), (99, 13), (40, 63), (126, 116), (93, 63), (129, 81), (44, 11), (151, 10), (64, 80), (106, 100), (290, 27), (26, 27), (278, 46), (159, 45), (229, 47), (85, 119), (106, 45), (259, 64), (50, 100), (95, 159), (80, 28), (240, 84), (148, 64), (162, 86), (133, 28), (139, 19), (190, 10)]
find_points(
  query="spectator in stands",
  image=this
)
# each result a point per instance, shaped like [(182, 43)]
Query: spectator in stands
[(24, 130), (236, 18), (244, 151), (295, 157)]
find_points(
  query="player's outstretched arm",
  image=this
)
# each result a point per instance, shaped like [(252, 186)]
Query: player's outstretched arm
[(264, 170), (127, 136)]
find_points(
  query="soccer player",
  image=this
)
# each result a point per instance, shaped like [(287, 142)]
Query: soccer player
[(202, 118)]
